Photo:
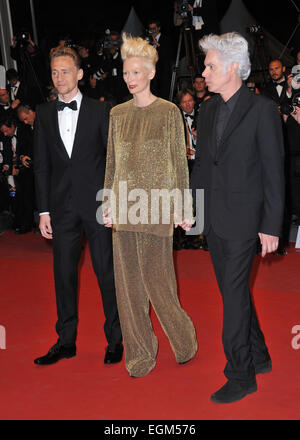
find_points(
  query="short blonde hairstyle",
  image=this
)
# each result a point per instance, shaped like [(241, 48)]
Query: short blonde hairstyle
[(64, 51), (139, 48)]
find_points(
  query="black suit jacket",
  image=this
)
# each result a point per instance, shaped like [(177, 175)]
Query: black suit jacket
[(243, 180), (270, 91), (23, 145), (22, 93), (60, 179)]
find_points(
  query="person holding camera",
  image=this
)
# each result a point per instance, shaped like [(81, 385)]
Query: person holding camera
[(31, 67), (163, 44), (17, 143), (115, 68), (27, 116), (292, 129)]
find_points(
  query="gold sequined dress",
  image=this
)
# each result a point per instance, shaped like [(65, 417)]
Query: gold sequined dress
[(146, 152)]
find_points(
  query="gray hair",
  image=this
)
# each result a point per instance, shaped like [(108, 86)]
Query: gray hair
[(232, 48)]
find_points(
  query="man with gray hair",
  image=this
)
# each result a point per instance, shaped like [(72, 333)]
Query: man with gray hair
[(239, 164)]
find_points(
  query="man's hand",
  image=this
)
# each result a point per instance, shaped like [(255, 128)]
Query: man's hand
[(296, 115), (185, 224), (45, 226), (107, 219), (269, 243), (15, 103), (25, 162)]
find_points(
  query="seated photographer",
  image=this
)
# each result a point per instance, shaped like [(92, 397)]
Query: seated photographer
[(16, 143)]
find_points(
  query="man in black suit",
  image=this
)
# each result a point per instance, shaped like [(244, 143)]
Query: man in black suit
[(4, 101), (161, 83), (240, 165), (16, 88), (278, 88), (70, 137), (16, 143)]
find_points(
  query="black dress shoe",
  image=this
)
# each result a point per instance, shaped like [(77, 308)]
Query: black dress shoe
[(55, 354), (264, 368), (113, 356), (234, 390)]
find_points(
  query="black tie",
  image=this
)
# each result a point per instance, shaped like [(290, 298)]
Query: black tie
[(280, 84), (188, 116), (60, 105)]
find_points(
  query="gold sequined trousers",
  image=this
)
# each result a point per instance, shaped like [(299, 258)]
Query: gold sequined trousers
[(144, 271)]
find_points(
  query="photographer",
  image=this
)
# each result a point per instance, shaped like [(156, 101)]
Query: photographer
[(17, 143), (117, 85), (165, 49), (31, 67), (201, 14), (292, 124)]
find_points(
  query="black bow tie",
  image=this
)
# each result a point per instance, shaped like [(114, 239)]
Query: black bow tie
[(60, 105), (188, 116), (281, 84)]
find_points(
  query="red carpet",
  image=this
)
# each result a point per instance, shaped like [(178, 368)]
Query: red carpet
[(84, 388)]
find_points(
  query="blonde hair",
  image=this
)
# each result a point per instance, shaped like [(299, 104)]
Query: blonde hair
[(64, 51), (139, 48)]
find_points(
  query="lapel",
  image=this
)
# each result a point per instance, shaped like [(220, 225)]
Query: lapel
[(240, 110), (210, 122), (54, 118), (82, 124)]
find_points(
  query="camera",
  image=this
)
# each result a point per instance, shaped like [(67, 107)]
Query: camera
[(287, 108), (183, 8), (23, 38), (107, 43)]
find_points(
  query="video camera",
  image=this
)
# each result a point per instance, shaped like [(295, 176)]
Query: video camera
[(183, 8)]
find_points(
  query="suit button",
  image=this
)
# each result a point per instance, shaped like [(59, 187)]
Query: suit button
[(216, 163)]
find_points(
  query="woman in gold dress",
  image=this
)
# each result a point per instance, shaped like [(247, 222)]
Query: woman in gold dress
[(146, 151)]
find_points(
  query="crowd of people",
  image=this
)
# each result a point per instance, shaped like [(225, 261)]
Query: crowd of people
[(218, 135), (31, 84)]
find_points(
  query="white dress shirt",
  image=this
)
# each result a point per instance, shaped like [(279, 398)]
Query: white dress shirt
[(67, 122), (189, 122), (14, 90)]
